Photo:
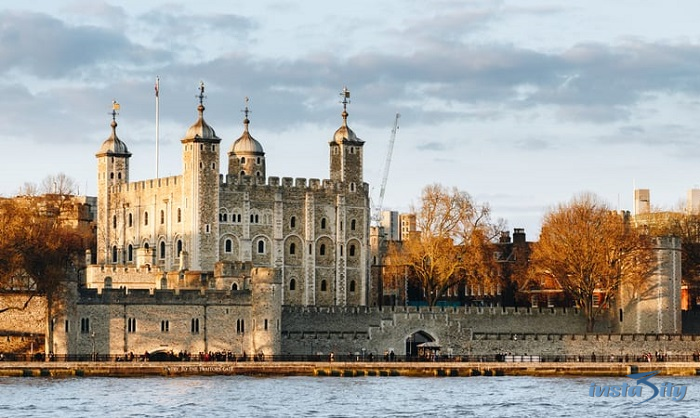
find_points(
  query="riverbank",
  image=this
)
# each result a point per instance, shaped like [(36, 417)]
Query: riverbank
[(339, 369)]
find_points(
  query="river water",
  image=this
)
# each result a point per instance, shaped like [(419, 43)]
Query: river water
[(226, 396)]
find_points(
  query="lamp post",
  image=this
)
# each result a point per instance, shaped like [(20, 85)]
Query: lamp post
[(94, 354)]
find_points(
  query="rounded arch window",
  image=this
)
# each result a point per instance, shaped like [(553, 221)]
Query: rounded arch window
[(322, 249), (261, 247), (242, 160), (293, 284), (161, 253), (234, 286), (351, 250), (179, 247), (228, 245), (292, 222), (292, 248)]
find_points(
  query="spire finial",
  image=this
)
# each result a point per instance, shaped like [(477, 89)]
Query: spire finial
[(246, 112), (201, 97), (346, 99), (114, 113)]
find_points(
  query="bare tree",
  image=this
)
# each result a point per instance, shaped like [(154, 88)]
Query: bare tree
[(589, 250), (453, 244)]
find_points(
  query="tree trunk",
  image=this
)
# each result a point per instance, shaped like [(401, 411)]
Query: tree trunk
[(48, 341)]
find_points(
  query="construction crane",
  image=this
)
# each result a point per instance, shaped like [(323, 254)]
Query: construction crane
[(376, 218)]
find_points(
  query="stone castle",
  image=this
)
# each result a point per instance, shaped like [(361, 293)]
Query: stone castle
[(237, 262)]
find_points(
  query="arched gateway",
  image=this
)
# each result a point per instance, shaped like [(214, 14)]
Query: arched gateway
[(414, 340)]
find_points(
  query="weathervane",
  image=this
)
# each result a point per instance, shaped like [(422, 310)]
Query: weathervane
[(346, 98), (246, 111), (201, 95), (115, 109)]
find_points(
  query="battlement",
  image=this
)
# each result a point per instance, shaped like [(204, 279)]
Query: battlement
[(162, 182), (302, 184), (457, 310), (164, 297)]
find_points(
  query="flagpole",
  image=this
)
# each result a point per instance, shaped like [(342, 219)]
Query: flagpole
[(157, 122)]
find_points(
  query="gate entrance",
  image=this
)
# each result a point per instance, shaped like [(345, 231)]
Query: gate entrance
[(414, 340)]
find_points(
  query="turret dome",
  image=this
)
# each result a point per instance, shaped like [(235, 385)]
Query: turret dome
[(246, 144), (201, 129), (113, 145)]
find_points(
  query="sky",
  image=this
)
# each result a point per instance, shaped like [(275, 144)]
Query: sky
[(522, 104)]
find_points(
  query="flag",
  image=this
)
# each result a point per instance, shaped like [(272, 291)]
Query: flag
[(157, 80)]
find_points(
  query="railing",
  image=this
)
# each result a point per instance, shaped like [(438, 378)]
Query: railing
[(350, 357)]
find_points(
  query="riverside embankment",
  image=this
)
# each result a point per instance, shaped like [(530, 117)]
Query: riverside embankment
[(339, 369)]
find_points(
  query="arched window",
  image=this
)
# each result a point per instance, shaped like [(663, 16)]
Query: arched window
[(130, 253), (108, 282), (292, 248), (145, 245), (114, 254), (234, 286), (261, 247), (351, 251), (322, 249), (293, 284), (323, 223), (257, 160), (292, 221), (242, 160), (178, 247), (161, 253), (145, 218), (352, 286), (352, 225), (242, 173), (163, 283), (162, 217), (324, 286), (228, 245)]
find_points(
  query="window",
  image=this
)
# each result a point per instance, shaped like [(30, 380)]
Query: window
[(179, 215), (293, 284), (352, 225), (179, 247), (162, 217), (114, 254), (323, 223), (234, 286), (130, 253), (67, 326), (292, 249), (165, 326), (322, 249), (228, 244), (161, 253), (292, 221), (131, 325), (242, 160), (114, 221), (352, 187), (194, 326), (240, 326), (341, 250), (352, 286), (131, 220), (145, 218), (257, 161), (84, 325), (351, 251), (324, 286), (265, 326), (108, 282), (207, 229), (261, 247)]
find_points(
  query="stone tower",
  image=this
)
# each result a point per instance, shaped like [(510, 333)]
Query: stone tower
[(247, 157), (112, 170), (346, 152), (201, 192), (655, 308), (266, 302)]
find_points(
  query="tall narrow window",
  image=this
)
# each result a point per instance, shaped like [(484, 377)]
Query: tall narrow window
[(352, 286), (84, 325), (165, 326), (323, 223), (179, 247), (324, 286), (352, 225), (179, 215), (130, 253), (114, 221), (161, 254), (194, 326), (293, 284), (351, 251), (131, 325), (131, 220), (145, 218), (162, 217), (322, 250), (293, 222), (261, 247), (292, 249), (228, 244), (114, 254)]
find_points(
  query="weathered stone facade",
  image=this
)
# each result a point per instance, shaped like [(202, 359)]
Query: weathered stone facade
[(154, 234)]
